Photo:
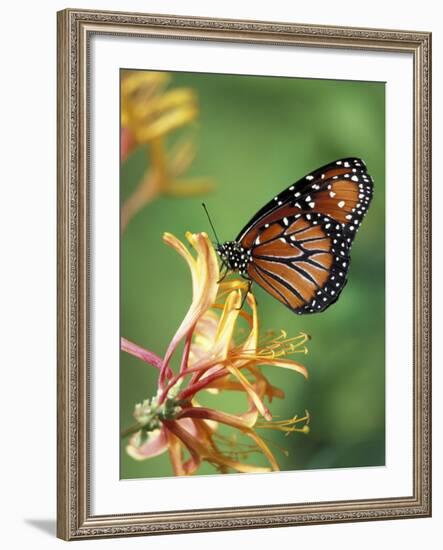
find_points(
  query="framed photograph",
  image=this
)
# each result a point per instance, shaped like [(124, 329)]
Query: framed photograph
[(244, 294)]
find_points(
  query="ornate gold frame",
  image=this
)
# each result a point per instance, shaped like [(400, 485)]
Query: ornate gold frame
[(75, 27)]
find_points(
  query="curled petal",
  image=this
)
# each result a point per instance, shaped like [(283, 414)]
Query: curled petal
[(251, 341), (268, 389), (251, 391), (156, 444), (175, 453), (191, 465), (217, 416), (225, 329), (203, 337), (204, 273), (188, 425), (243, 424), (225, 383), (179, 247), (265, 449), (233, 284), (201, 448), (283, 363)]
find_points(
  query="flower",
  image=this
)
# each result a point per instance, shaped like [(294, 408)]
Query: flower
[(149, 113), (212, 361)]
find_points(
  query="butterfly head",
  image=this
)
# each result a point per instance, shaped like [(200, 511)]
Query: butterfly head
[(234, 256)]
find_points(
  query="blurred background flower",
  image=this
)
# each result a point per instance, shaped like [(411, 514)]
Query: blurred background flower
[(211, 360), (151, 111)]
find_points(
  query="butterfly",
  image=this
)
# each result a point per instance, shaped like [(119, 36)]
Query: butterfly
[(297, 246)]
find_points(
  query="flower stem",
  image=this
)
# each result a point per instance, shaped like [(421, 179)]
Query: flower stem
[(137, 351), (153, 182), (131, 430)]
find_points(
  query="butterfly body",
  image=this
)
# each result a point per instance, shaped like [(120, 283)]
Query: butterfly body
[(234, 256), (297, 246)]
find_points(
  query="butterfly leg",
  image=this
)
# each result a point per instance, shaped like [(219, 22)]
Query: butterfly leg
[(223, 275), (250, 281)]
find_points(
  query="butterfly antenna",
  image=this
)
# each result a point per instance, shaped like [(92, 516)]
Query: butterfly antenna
[(210, 222)]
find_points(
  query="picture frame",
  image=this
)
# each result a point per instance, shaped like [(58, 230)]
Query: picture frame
[(78, 251)]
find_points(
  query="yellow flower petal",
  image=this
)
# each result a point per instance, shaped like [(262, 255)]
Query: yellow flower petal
[(189, 187), (264, 411), (252, 340), (217, 416), (173, 242), (205, 274), (167, 122), (232, 284), (175, 454), (283, 363), (225, 329), (201, 448), (203, 337), (182, 156), (266, 451), (142, 81), (244, 424)]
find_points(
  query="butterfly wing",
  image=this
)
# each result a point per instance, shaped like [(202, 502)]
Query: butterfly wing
[(300, 240), (341, 190), (303, 265)]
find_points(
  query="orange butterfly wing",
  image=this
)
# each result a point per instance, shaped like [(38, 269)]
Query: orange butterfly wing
[(304, 266), (300, 240)]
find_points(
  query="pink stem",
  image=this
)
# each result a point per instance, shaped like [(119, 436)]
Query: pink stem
[(145, 355), (204, 366), (194, 388), (186, 351)]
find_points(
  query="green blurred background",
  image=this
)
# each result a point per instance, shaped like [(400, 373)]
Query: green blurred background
[(256, 136)]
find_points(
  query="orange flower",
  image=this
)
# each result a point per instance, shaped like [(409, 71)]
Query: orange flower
[(212, 361)]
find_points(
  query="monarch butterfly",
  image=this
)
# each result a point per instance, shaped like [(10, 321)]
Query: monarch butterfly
[(297, 246)]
